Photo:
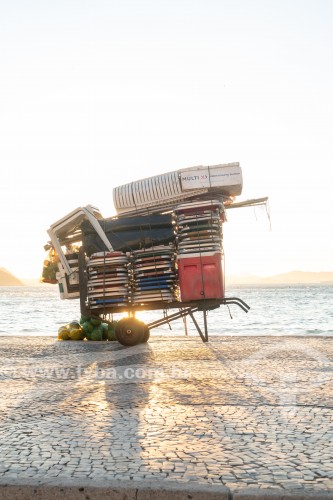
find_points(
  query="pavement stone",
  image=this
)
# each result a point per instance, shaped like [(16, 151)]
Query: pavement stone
[(236, 412)]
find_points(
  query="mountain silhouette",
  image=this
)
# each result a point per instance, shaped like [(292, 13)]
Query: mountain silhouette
[(293, 277), (8, 279)]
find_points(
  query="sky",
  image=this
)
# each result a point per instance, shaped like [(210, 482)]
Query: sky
[(95, 94)]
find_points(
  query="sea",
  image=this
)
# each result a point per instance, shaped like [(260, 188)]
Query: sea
[(274, 310)]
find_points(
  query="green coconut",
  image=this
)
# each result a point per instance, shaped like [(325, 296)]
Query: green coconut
[(83, 319), (97, 334), (76, 334), (95, 321), (104, 328), (111, 332), (86, 326), (88, 336), (73, 325), (63, 333), (89, 326)]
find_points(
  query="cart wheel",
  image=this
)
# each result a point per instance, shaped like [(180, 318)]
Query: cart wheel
[(130, 331), (146, 334)]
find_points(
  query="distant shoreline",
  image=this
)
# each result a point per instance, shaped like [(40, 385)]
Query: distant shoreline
[(280, 283)]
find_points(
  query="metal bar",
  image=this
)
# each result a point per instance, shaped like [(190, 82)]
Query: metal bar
[(205, 324), (182, 312), (239, 302), (55, 242), (83, 280), (185, 326), (248, 203), (95, 224), (166, 319), (203, 337), (208, 304)]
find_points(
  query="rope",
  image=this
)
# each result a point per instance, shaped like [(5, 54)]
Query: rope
[(104, 273), (201, 261), (210, 182)]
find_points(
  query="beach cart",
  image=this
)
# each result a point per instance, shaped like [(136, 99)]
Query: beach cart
[(162, 251)]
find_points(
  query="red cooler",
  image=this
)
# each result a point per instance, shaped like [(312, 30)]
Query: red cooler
[(200, 276)]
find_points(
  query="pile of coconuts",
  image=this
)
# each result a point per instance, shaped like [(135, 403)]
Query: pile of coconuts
[(88, 329)]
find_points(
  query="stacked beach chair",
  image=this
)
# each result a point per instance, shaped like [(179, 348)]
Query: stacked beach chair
[(108, 280), (154, 275), (162, 192), (199, 249), (199, 227)]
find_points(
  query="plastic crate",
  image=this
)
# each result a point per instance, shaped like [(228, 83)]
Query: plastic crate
[(201, 276)]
